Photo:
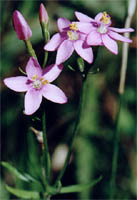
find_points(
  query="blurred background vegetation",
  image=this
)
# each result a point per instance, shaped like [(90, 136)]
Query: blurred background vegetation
[(92, 151)]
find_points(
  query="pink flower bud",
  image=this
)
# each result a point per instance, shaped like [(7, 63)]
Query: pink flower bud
[(43, 15), (21, 27)]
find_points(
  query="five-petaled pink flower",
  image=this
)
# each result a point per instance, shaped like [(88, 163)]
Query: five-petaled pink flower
[(69, 39), (102, 33), (21, 27), (37, 84)]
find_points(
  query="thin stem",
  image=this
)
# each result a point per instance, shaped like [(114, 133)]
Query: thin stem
[(46, 36), (131, 11), (115, 153), (46, 196), (30, 48), (76, 127), (45, 151), (45, 58)]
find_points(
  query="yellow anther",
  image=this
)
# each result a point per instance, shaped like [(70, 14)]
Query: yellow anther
[(41, 79), (34, 77), (73, 26), (105, 18), (45, 82)]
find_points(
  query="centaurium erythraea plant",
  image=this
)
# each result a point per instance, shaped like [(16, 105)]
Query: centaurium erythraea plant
[(77, 35), (36, 84), (68, 39), (102, 33)]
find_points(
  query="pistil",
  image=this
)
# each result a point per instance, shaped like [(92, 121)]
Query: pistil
[(73, 35)]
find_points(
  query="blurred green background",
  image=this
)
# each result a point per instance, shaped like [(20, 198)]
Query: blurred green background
[(92, 151)]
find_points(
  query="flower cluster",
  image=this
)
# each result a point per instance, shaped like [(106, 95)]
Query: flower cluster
[(77, 35)]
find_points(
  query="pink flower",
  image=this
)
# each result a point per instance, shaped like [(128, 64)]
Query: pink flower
[(69, 39), (43, 15), (21, 27), (37, 84), (102, 33)]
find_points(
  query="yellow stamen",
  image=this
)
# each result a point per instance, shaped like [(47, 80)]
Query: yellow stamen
[(105, 18), (41, 79), (73, 26), (45, 82), (34, 77)]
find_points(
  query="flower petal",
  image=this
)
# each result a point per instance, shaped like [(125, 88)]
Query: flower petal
[(51, 72), (17, 84), (54, 42), (85, 27), (33, 99), (121, 30), (94, 38), (63, 23), (53, 93), (110, 44), (119, 37), (85, 53), (64, 51), (33, 68), (98, 17), (83, 18)]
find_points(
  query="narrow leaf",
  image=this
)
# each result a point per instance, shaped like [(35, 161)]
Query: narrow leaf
[(22, 71), (71, 68), (23, 193), (80, 187), (17, 174), (80, 62)]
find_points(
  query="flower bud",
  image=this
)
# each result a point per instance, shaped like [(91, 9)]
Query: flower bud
[(21, 27), (43, 15)]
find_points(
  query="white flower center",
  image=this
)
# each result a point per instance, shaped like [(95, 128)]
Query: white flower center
[(37, 84), (102, 29), (73, 35)]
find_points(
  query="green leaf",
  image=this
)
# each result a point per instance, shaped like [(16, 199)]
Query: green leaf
[(17, 174), (80, 187), (23, 193), (81, 65), (82, 158), (4, 194), (71, 68), (33, 158)]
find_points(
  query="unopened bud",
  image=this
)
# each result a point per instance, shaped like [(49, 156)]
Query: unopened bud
[(21, 27), (43, 15)]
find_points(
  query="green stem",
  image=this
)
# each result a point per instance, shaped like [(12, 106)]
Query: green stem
[(46, 36), (30, 48), (76, 127), (45, 59), (45, 151), (115, 154), (46, 196)]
